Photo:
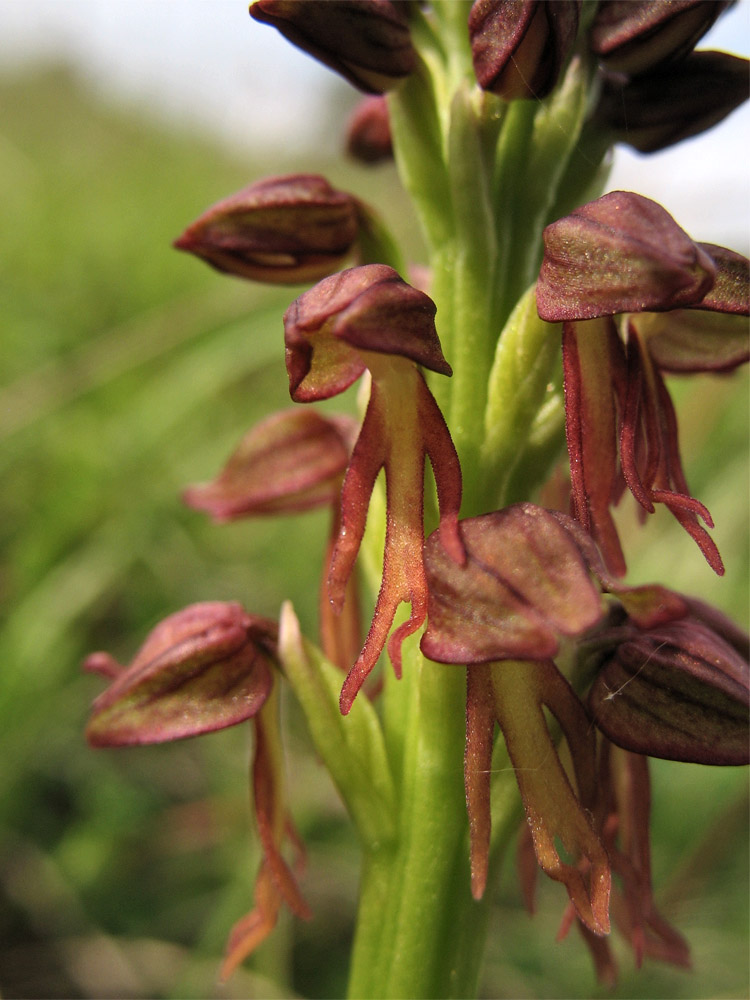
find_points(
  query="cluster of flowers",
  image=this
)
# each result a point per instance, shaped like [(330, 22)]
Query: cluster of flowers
[(526, 599)]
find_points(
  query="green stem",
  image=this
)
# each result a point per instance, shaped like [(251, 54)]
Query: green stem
[(473, 280), (415, 897), (483, 177), (419, 931)]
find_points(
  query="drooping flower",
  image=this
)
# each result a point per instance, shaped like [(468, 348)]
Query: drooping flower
[(534, 588), (289, 462), (532, 581), (205, 668), (520, 47), (367, 41), (369, 318), (678, 690), (281, 230), (637, 297)]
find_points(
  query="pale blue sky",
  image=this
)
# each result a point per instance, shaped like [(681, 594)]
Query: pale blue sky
[(207, 62)]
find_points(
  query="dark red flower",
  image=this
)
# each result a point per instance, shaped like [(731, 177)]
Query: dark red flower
[(673, 102), (679, 691), (281, 230), (367, 41), (637, 297), (205, 668), (634, 36), (532, 581), (368, 317), (368, 133)]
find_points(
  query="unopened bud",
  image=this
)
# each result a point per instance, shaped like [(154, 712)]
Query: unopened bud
[(674, 102), (292, 461), (519, 47), (680, 692), (367, 41), (281, 230), (633, 36), (368, 136)]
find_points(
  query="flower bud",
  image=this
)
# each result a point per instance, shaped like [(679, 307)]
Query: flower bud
[(281, 230), (680, 692), (633, 36), (204, 668), (368, 137), (674, 102), (292, 461), (367, 41), (519, 47), (722, 626), (620, 253)]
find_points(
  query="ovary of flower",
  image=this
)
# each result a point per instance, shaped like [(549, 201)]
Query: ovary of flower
[(402, 427)]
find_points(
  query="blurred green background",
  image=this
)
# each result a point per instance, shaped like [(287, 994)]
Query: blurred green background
[(128, 371)]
